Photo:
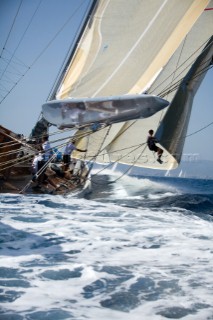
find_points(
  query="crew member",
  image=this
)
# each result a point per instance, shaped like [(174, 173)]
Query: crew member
[(151, 140), (69, 148)]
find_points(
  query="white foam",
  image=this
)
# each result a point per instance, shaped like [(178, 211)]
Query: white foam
[(171, 249)]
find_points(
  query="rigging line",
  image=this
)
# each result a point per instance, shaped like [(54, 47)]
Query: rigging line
[(118, 150), (178, 60), (17, 61), (173, 75), (139, 157), (136, 147), (76, 137), (8, 80), (6, 153), (191, 134), (3, 88), (11, 164), (175, 85), (64, 66), (56, 35), (184, 63), (11, 27), (11, 156), (12, 88), (18, 161), (173, 78), (22, 37), (203, 128), (101, 150), (151, 91), (95, 157), (13, 73), (17, 69), (196, 75), (38, 173), (15, 151), (126, 154), (118, 160), (23, 158), (15, 161), (15, 139), (57, 146), (8, 143), (130, 166), (72, 138), (57, 132), (52, 134), (42, 52)]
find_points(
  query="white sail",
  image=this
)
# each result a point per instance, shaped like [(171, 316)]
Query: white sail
[(129, 47)]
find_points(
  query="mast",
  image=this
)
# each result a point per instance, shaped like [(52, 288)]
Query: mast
[(72, 49)]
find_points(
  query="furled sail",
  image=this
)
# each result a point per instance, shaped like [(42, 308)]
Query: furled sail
[(132, 47), (69, 113)]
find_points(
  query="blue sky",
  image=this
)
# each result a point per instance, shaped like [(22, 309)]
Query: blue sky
[(35, 37)]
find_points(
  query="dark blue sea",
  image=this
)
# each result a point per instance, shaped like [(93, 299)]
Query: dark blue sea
[(135, 248)]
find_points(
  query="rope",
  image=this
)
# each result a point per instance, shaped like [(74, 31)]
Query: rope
[(47, 163), (23, 159), (38, 173), (203, 128), (176, 84), (122, 158), (21, 38), (12, 26), (43, 51), (8, 143), (137, 147), (155, 88), (123, 174), (169, 89), (14, 162)]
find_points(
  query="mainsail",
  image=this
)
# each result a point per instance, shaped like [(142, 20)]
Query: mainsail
[(133, 47)]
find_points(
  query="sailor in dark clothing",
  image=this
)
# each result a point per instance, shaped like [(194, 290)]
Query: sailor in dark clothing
[(151, 140)]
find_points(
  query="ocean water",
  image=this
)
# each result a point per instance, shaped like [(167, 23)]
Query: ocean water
[(135, 248)]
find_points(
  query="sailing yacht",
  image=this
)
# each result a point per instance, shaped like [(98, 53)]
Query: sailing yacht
[(136, 66), (161, 48)]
